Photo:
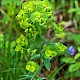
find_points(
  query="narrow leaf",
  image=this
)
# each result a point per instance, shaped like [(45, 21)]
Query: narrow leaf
[(47, 63)]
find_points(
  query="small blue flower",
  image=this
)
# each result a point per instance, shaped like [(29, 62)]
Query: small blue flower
[(72, 50)]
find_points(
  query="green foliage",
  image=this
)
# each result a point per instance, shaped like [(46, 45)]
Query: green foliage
[(55, 72), (74, 64), (38, 42), (74, 67), (68, 60), (6, 2), (75, 37), (77, 56), (1, 40), (74, 10), (47, 63)]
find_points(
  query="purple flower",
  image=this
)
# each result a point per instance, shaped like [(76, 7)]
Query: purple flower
[(72, 50)]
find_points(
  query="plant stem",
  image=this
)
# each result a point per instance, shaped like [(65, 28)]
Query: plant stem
[(71, 78)]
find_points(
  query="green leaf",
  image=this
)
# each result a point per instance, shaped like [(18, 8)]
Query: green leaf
[(5, 19), (7, 2), (72, 10), (35, 56), (37, 42), (74, 67), (24, 77), (78, 12), (17, 2), (73, 36), (77, 56), (67, 75), (68, 60), (76, 74), (47, 63)]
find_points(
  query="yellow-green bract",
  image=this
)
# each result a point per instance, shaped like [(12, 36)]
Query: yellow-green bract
[(60, 47), (22, 41), (32, 66), (49, 51)]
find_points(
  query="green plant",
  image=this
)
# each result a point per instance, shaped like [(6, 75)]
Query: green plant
[(35, 18)]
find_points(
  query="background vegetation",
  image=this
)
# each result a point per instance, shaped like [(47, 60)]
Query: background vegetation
[(12, 64)]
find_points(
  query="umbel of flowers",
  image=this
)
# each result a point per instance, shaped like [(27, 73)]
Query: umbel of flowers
[(34, 18), (32, 66)]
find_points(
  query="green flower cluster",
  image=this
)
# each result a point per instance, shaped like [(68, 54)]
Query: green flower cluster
[(21, 42), (60, 47), (49, 51), (32, 66), (57, 28), (61, 35), (52, 51), (34, 16)]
